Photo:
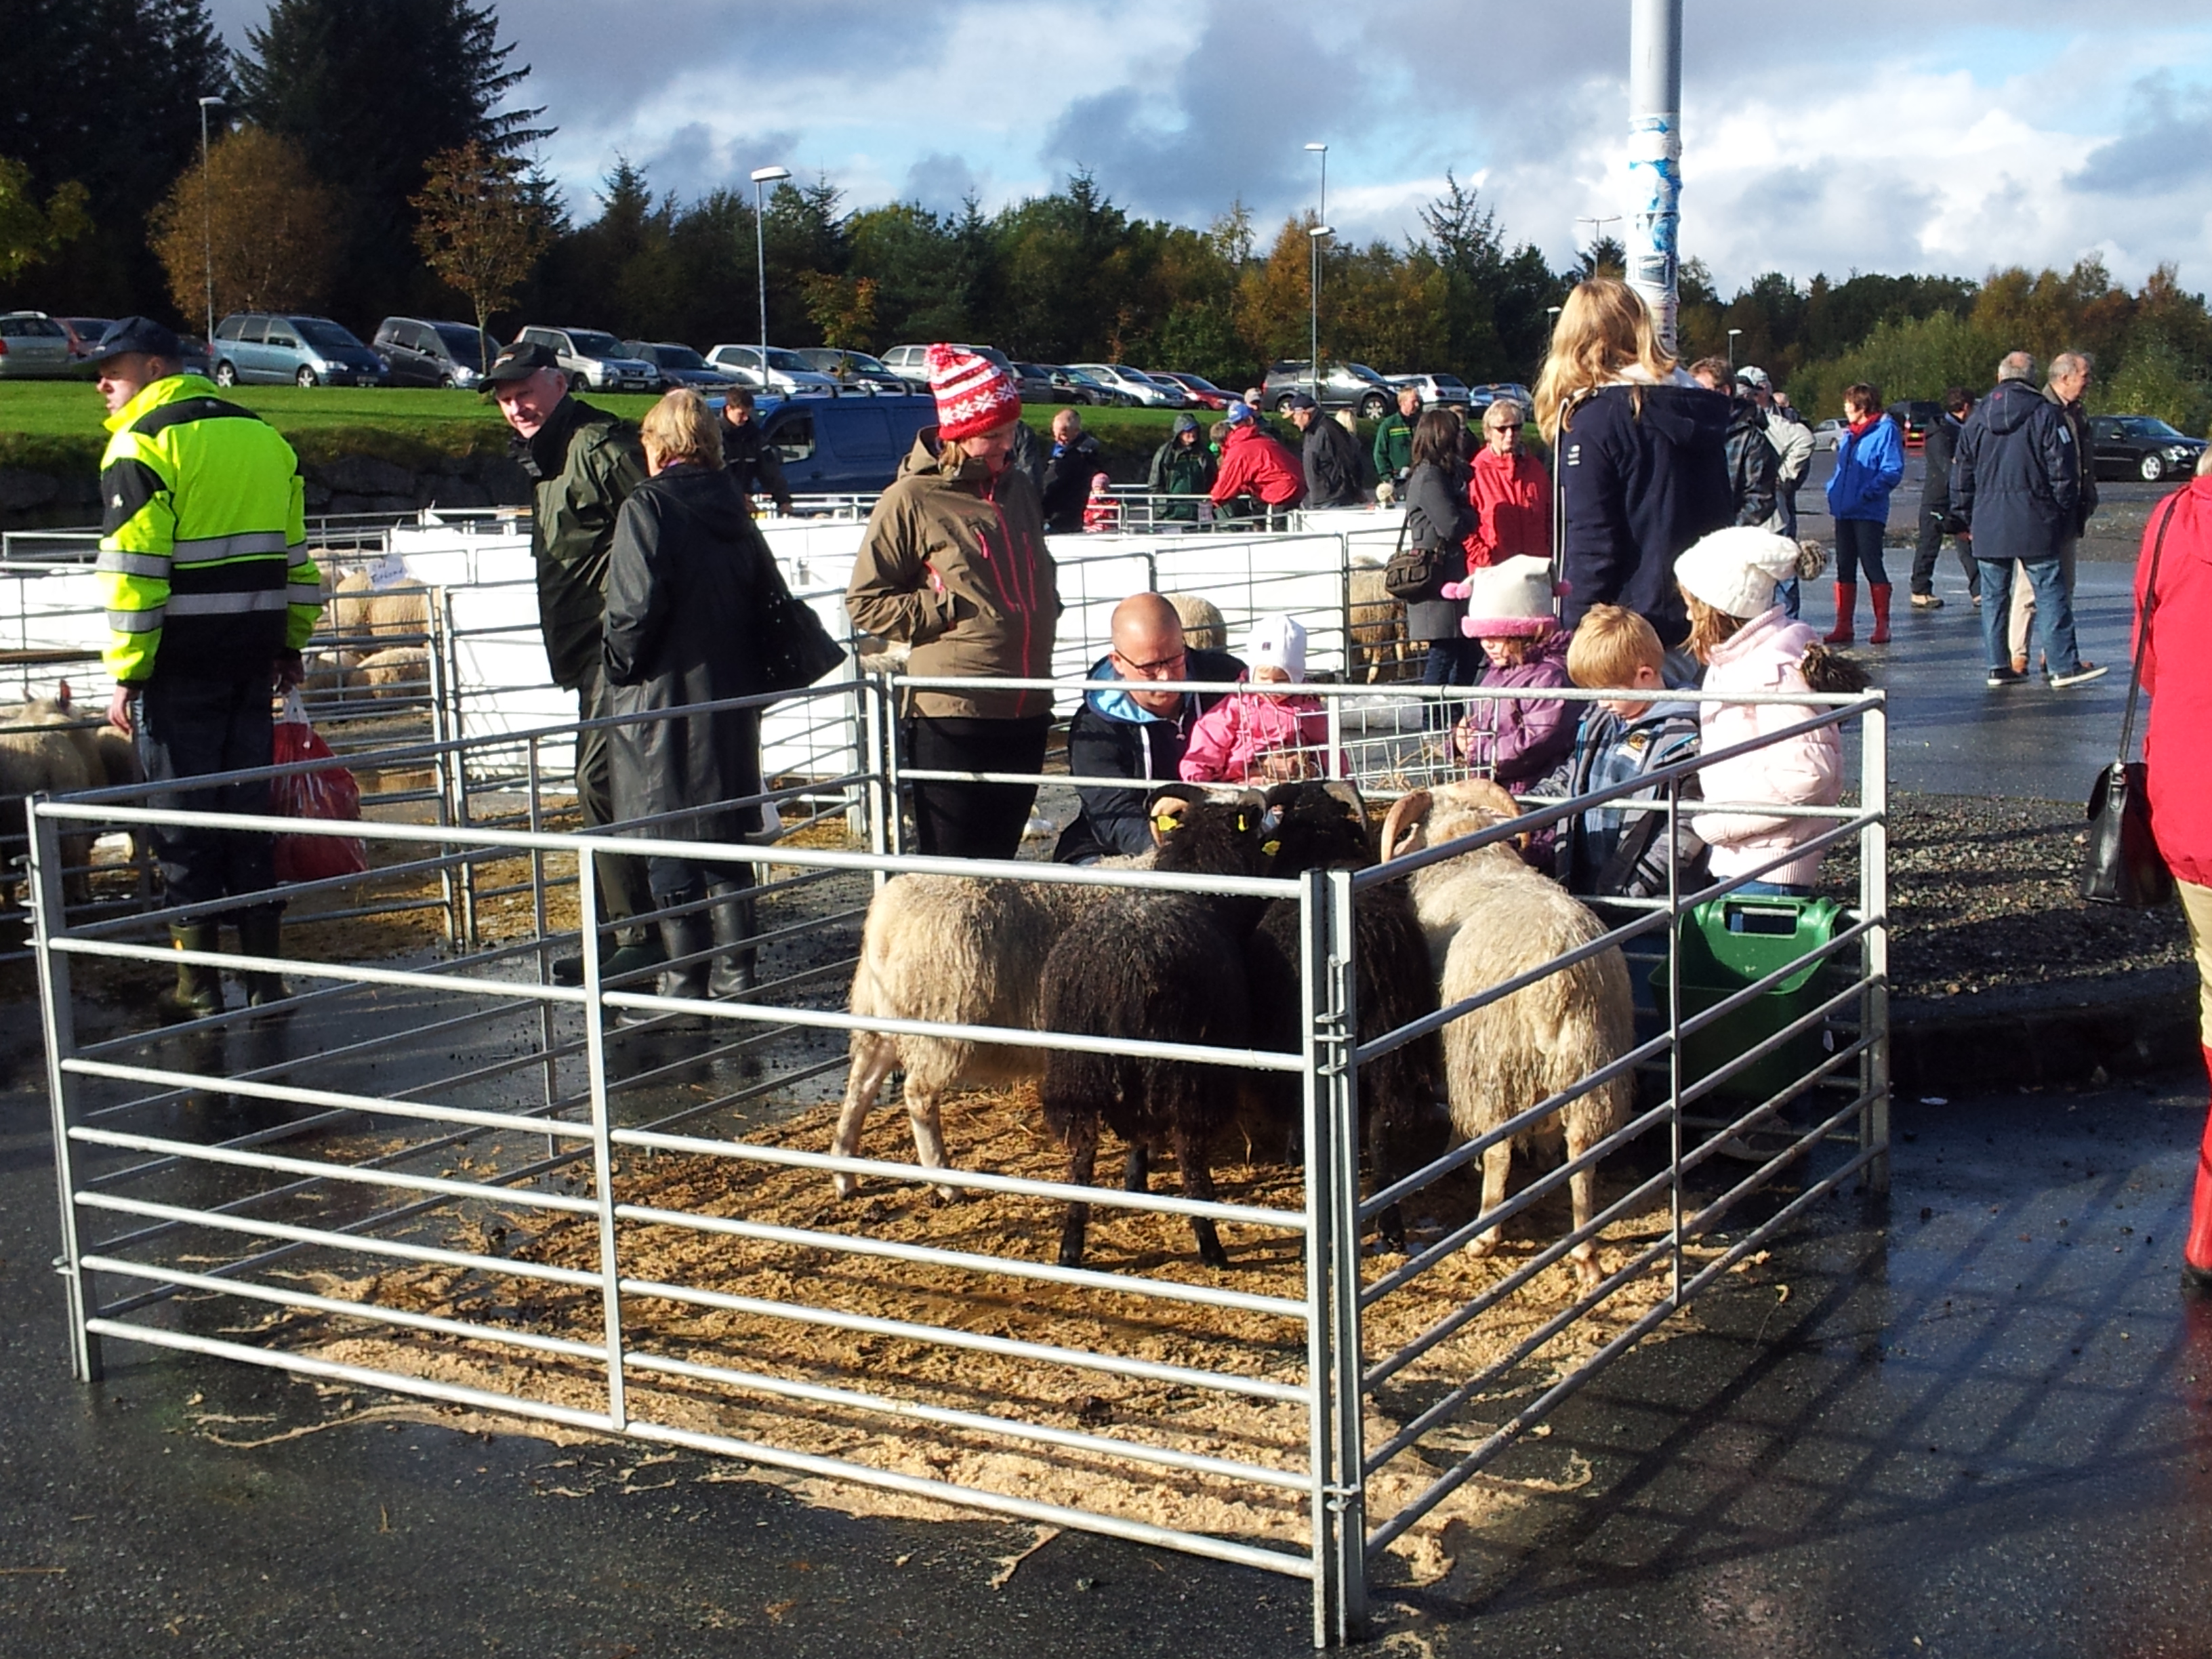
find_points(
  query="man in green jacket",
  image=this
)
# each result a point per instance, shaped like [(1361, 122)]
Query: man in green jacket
[(1393, 438), (585, 463), (210, 593)]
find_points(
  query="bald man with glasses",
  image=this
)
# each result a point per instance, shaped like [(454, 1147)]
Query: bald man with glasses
[(1135, 728)]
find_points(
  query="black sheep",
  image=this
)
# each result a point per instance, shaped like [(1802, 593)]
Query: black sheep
[(1313, 827), (1167, 968)]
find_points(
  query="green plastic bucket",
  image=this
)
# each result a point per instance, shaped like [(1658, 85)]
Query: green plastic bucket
[(1727, 943)]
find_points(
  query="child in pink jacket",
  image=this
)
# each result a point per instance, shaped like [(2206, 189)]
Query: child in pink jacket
[(1749, 644), (1265, 737)]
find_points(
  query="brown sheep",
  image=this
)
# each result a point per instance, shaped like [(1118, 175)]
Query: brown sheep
[(1378, 622)]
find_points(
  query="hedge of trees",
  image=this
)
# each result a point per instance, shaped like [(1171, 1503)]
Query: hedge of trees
[(365, 129)]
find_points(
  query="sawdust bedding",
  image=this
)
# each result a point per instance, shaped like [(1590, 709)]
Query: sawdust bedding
[(1002, 1132)]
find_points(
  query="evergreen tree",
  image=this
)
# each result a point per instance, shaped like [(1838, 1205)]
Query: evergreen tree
[(370, 90)]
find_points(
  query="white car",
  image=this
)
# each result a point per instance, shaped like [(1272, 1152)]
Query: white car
[(1436, 388), (593, 359), (1151, 393), (785, 375)]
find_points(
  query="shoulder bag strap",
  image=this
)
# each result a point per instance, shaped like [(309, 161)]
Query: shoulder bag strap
[(2142, 626)]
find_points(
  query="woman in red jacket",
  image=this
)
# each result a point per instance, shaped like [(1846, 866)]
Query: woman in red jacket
[(2176, 675), (1510, 491)]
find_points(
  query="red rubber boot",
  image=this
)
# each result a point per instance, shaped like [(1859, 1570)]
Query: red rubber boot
[(1847, 600), (2197, 1253), (1879, 592)]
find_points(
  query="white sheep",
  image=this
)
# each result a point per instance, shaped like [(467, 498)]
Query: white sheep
[(45, 749), (360, 609), (400, 672), (1203, 627), (1489, 918)]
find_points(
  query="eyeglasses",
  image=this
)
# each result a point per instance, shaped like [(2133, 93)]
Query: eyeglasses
[(1167, 668)]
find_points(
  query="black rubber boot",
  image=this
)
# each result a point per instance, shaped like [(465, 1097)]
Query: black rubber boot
[(198, 992), (732, 919), (680, 936), (261, 933)]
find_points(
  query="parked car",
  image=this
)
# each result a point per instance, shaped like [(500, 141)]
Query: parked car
[(1829, 433), (33, 347), (1090, 389), (84, 332), (196, 356), (2142, 446), (1142, 388), (1437, 388), (261, 348), (1914, 416), (676, 365), (911, 363), (1481, 397), (422, 353), (1200, 390), (1044, 383), (785, 375), (1343, 386), (594, 359), (854, 372), (837, 446)]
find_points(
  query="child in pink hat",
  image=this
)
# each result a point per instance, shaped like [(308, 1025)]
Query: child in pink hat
[(1516, 740), (1100, 512)]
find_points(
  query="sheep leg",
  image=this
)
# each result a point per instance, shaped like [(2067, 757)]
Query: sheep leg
[(928, 1134), (873, 1058), (1581, 1188), (1137, 1169), (1198, 1183), (1496, 1166), (1082, 1161), (1381, 1158)]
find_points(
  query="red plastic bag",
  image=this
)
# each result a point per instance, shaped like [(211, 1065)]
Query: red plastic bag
[(329, 793)]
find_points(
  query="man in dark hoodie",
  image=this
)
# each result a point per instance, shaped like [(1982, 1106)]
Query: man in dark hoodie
[(2016, 484), (1752, 463), (1138, 733), (1183, 466), (1330, 454), (584, 464)]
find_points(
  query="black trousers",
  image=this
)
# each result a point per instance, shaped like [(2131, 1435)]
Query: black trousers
[(1930, 544), (188, 726), (623, 890), (973, 820)]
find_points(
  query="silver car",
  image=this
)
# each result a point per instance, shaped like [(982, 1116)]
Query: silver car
[(785, 375), (33, 347), (595, 359)]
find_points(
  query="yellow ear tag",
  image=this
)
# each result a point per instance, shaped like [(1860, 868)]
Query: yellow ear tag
[(1270, 848)]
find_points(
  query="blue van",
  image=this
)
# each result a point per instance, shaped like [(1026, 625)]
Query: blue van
[(840, 445)]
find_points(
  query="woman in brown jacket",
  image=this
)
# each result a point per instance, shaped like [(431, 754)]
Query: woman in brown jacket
[(954, 564)]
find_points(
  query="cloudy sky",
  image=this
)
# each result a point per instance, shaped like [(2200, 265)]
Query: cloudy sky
[(1883, 135)]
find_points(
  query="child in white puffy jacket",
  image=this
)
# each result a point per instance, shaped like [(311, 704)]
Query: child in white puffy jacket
[(1749, 645)]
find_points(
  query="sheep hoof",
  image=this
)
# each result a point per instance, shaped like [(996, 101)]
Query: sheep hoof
[(847, 1185), (1483, 1245), (1587, 1273), (1209, 1245), (948, 1194)]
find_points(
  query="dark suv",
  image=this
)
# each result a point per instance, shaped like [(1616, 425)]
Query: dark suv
[(1914, 416), (1343, 386), (421, 352)]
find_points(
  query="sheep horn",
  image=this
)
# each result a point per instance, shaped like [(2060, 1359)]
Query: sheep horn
[(1408, 808)]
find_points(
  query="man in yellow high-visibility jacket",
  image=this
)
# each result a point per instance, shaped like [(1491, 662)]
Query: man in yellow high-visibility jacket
[(210, 594)]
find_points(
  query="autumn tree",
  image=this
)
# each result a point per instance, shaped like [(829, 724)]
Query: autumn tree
[(270, 226), (28, 232), (480, 226), (843, 307)]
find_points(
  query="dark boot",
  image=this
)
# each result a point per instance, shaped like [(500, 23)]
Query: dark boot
[(1879, 592), (198, 992), (1847, 600), (2197, 1251), (731, 916), (680, 936), (261, 933)]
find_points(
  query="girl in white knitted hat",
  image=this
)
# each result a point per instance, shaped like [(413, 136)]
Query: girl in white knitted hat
[(1748, 644)]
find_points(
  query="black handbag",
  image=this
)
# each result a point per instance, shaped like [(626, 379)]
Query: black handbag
[(2124, 866), (795, 648)]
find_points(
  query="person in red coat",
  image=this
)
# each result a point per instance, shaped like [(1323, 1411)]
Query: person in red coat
[(1510, 493), (2176, 675), (1253, 464)]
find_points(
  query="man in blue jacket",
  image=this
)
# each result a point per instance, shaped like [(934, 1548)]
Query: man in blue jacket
[(1138, 733), (2016, 483)]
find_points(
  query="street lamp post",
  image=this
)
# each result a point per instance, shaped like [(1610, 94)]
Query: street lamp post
[(1732, 334), (1313, 275), (764, 177), (206, 218)]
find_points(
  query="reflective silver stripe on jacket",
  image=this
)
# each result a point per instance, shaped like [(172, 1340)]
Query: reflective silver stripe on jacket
[(225, 604), (304, 593), (132, 564), (135, 622), (206, 549), (295, 555)]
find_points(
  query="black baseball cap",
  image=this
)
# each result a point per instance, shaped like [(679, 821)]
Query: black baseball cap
[(131, 334), (1302, 400), (520, 361)]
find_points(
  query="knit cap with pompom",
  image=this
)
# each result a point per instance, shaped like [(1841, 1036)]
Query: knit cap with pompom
[(974, 394)]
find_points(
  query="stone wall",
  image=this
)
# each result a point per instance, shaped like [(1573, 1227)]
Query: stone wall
[(38, 500)]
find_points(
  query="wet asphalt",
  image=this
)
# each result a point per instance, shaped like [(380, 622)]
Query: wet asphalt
[(1974, 1419)]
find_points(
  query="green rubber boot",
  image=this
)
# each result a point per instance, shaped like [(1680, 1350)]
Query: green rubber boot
[(198, 992)]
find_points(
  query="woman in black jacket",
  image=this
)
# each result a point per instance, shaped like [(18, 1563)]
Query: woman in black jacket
[(1439, 515), (1641, 458), (686, 582)]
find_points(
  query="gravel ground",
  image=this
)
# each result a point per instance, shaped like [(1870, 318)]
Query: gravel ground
[(1985, 895)]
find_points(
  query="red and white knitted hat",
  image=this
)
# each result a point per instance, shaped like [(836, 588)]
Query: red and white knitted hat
[(974, 394)]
